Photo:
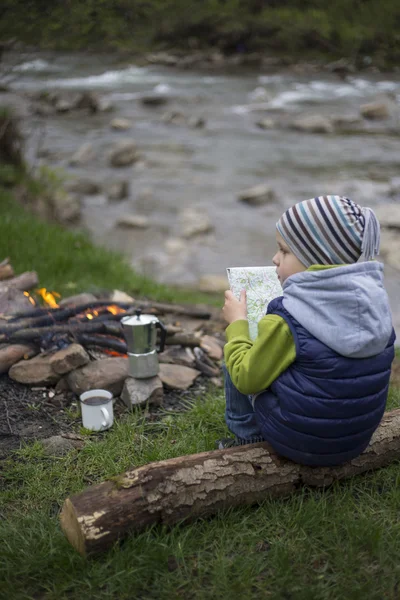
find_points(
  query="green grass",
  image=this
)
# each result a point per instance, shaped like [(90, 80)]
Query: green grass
[(68, 262), (342, 542)]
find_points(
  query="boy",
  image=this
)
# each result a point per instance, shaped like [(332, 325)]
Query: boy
[(318, 372)]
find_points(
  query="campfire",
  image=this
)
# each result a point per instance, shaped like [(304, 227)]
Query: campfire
[(78, 343)]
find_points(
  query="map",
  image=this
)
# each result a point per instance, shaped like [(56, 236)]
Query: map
[(261, 285)]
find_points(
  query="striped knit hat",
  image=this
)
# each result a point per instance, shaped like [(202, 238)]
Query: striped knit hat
[(330, 230)]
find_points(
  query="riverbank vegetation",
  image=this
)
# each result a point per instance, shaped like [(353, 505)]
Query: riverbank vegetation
[(363, 31)]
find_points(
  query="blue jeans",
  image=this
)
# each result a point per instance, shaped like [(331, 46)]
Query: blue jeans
[(239, 412)]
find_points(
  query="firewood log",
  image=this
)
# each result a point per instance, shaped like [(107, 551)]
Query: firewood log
[(187, 487), (6, 270), (23, 282)]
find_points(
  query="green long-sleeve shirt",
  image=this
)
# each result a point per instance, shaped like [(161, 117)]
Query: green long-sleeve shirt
[(254, 365)]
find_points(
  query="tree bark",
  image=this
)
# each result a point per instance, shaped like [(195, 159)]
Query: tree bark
[(200, 484)]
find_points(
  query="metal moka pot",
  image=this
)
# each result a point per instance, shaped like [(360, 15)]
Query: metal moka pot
[(140, 332)]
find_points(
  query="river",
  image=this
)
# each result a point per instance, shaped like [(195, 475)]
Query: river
[(207, 167)]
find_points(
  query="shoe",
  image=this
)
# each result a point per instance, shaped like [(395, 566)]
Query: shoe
[(232, 442)]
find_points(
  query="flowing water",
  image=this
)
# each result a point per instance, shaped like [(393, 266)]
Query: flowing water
[(207, 167)]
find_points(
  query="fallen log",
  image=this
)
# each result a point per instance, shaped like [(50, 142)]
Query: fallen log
[(187, 487)]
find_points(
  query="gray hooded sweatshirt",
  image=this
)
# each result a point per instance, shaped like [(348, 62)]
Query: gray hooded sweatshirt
[(346, 307)]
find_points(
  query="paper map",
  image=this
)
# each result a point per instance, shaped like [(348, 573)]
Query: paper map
[(261, 285)]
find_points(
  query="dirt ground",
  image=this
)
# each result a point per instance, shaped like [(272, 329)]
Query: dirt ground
[(38, 413)]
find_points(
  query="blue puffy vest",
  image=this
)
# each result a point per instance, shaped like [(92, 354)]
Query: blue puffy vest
[(323, 410)]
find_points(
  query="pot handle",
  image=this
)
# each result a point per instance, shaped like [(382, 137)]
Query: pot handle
[(163, 337)]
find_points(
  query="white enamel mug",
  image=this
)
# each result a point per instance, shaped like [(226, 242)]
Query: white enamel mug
[(97, 410)]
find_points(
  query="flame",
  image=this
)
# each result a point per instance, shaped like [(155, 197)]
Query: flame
[(49, 297), (31, 300), (92, 313)]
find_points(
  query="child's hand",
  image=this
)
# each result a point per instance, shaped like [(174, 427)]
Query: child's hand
[(235, 309)]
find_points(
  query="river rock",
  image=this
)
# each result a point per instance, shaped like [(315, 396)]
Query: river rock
[(139, 392), (121, 124), (118, 190), (265, 123), (86, 187), (123, 154), (93, 102), (195, 221), (162, 58), (154, 100), (68, 359), (312, 124), (213, 283), (177, 376), (82, 156), (196, 122), (35, 371), (388, 215), (258, 195), (106, 374), (134, 221), (175, 117), (345, 121), (67, 207), (375, 110)]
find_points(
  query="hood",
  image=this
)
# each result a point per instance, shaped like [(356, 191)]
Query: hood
[(346, 307)]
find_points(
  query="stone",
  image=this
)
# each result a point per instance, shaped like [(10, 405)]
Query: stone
[(154, 100), (213, 283), (118, 190), (196, 122), (265, 123), (139, 392), (344, 121), (120, 296), (121, 124), (375, 110), (217, 381), (86, 187), (177, 376), (134, 221), (123, 154), (210, 345), (57, 445), (67, 207), (312, 124), (77, 299), (174, 117), (93, 102), (69, 358), (388, 215), (195, 221), (82, 156), (35, 371), (177, 355), (106, 374), (257, 195)]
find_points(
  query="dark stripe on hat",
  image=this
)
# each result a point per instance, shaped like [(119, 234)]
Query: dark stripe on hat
[(298, 234), (327, 220), (350, 241), (292, 241), (321, 255), (323, 230)]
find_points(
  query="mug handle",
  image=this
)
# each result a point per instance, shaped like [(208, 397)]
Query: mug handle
[(163, 332), (106, 415)]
